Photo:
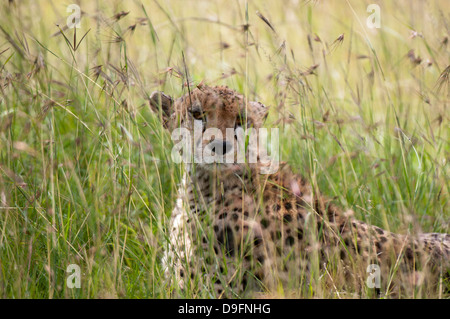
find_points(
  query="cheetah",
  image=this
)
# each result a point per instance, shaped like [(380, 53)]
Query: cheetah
[(240, 232)]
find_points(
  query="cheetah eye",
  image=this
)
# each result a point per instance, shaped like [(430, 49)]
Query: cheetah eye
[(197, 114), (242, 120)]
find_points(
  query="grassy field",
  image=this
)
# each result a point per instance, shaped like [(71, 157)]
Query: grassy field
[(86, 176)]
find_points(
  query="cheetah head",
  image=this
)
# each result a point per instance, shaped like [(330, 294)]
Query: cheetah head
[(219, 124)]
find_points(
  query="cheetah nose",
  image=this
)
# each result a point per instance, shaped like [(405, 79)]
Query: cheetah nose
[(221, 147)]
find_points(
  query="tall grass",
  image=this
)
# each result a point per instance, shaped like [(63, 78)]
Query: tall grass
[(86, 175)]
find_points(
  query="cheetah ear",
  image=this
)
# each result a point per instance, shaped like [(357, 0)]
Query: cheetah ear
[(160, 102), (259, 111)]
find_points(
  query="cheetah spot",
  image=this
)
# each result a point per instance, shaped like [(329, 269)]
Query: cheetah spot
[(225, 238)]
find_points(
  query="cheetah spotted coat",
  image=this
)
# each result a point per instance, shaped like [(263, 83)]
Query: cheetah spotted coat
[(240, 232)]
